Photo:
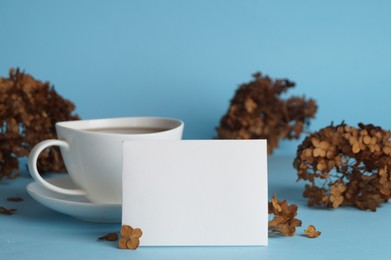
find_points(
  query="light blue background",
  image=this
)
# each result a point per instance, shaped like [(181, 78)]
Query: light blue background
[(185, 59)]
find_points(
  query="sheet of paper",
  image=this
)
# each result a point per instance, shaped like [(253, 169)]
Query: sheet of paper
[(196, 192)]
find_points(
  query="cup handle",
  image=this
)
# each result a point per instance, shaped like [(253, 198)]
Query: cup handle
[(32, 164)]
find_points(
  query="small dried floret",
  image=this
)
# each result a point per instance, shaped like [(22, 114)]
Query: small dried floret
[(346, 165), (122, 242), (311, 232), (29, 110), (257, 111), (130, 237), (133, 243), (284, 221), (137, 233)]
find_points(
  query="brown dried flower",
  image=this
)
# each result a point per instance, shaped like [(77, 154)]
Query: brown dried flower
[(109, 237), (15, 199), (5, 211), (29, 110), (346, 165), (130, 237), (284, 221), (311, 232), (257, 111)]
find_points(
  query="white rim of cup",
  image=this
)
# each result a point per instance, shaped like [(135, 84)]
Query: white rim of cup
[(85, 125)]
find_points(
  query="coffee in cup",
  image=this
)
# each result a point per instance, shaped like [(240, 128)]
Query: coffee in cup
[(92, 152)]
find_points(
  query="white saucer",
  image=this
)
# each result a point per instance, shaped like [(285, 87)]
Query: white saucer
[(76, 206)]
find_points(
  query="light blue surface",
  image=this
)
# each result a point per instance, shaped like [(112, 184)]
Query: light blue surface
[(36, 232), (185, 59)]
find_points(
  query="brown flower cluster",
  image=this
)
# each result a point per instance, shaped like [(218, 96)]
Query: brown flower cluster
[(346, 165), (257, 111), (130, 237), (284, 221), (29, 110)]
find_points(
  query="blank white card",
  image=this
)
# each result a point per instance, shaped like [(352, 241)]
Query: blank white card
[(196, 192)]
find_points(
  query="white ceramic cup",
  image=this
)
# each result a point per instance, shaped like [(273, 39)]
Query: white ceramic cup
[(92, 152)]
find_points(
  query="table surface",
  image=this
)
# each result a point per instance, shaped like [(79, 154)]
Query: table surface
[(347, 233)]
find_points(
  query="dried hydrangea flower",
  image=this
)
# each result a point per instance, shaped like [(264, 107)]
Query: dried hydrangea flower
[(346, 165), (130, 237), (311, 232), (257, 111), (29, 110), (284, 221)]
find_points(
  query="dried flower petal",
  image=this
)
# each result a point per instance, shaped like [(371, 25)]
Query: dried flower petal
[(109, 237), (5, 211), (311, 232), (126, 231), (133, 243), (122, 242), (15, 199), (137, 233)]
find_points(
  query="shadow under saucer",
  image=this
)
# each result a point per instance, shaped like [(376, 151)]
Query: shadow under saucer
[(78, 207)]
